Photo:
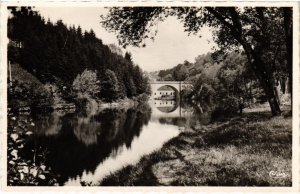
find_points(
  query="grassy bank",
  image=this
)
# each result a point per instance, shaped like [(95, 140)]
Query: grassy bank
[(254, 149)]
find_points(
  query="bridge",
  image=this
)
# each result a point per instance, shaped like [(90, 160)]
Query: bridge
[(158, 88)]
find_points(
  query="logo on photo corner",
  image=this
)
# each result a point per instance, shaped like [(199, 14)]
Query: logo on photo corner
[(277, 174)]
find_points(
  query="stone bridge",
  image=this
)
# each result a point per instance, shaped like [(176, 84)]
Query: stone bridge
[(177, 87)]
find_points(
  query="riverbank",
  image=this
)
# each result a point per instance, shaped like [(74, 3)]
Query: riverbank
[(119, 103), (93, 105), (254, 149)]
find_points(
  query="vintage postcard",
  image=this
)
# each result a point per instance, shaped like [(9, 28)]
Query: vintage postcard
[(150, 96)]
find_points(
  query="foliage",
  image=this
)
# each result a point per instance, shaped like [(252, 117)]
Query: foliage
[(259, 31), (128, 56), (110, 89), (142, 82), (115, 49), (26, 90), (221, 84), (180, 73), (54, 51), (87, 83), (142, 98), (236, 78), (27, 94), (227, 106), (23, 170)]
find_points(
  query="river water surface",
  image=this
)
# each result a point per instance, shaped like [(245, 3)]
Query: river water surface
[(86, 147)]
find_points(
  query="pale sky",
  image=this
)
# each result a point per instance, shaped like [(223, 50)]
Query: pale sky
[(171, 45)]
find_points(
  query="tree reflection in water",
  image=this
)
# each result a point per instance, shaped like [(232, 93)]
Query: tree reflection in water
[(78, 142), (182, 113)]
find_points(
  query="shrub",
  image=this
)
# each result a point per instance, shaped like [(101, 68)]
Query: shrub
[(227, 106), (142, 98), (28, 95)]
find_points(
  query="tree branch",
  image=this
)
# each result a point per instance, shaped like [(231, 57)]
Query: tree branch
[(220, 18)]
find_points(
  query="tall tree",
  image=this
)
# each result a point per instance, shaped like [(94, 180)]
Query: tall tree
[(247, 28), (110, 87), (288, 29), (128, 56)]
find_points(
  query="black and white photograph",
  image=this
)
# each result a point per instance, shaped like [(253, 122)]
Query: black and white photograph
[(149, 95)]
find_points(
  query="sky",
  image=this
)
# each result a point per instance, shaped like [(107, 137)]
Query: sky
[(171, 45)]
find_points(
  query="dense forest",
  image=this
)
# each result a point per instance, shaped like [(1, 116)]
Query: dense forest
[(70, 59)]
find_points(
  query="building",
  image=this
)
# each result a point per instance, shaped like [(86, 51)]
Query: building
[(165, 92)]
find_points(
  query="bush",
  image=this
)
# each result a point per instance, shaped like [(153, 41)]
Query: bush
[(28, 95), (142, 98), (226, 107)]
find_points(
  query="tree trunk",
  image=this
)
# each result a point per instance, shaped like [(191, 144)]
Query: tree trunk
[(250, 88), (269, 88), (265, 77), (259, 67), (288, 27)]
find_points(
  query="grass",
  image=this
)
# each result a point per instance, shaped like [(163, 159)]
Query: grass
[(240, 151)]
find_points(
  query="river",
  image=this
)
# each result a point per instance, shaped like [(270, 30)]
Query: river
[(87, 146)]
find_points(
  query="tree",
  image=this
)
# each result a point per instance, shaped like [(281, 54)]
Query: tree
[(128, 56), (87, 83), (288, 29), (115, 49), (236, 76), (180, 72), (250, 29), (132, 88), (58, 54), (110, 87)]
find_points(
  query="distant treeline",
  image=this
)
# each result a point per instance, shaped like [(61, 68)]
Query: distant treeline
[(55, 53)]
